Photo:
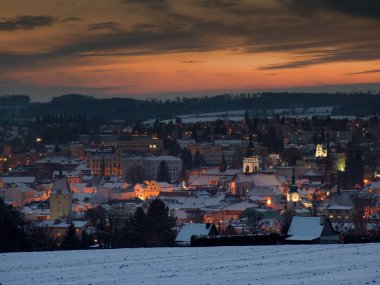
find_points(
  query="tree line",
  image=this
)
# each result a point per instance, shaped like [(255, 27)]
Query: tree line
[(110, 229), (358, 103)]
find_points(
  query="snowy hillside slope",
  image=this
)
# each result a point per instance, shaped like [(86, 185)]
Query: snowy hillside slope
[(284, 264)]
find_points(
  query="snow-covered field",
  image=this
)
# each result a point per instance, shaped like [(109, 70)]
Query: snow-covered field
[(284, 264)]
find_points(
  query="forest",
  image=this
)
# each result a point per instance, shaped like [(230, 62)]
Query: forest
[(132, 110)]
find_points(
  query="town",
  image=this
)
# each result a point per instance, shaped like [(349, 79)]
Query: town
[(270, 179)]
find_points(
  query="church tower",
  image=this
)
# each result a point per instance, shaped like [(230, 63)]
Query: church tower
[(251, 161), (60, 197), (292, 196)]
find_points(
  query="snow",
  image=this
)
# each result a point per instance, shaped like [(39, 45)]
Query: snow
[(305, 228), (276, 265), (188, 230)]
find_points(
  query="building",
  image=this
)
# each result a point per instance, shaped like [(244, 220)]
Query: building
[(18, 195), (150, 165), (105, 162), (241, 183), (151, 189), (311, 230), (251, 161), (60, 198), (110, 192), (58, 229), (189, 230), (140, 145), (212, 152)]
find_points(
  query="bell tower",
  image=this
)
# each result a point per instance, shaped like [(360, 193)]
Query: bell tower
[(251, 161), (60, 197), (292, 196)]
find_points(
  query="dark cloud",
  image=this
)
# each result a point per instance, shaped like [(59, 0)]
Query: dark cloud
[(365, 72), (26, 22), (219, 3), (112, 26), (157, 5), (322, 36), (362, 8), (191, 61), (70, 19)]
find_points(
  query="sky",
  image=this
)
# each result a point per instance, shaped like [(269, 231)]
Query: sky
[(160, 48)]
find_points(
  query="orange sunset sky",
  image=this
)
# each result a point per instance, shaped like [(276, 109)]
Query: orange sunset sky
[(157, 48)]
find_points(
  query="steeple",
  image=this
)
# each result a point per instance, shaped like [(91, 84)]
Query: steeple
[(292, 195), (251, 150), (293, 187)]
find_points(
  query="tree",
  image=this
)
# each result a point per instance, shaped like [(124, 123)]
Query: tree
[(98, 218), (135, 174), (70, 240), (197, 159), (253, 220), (138, 233), (354, 172), (187, 158), (11, 225), (163, 172), (223, 164), (159, 225)]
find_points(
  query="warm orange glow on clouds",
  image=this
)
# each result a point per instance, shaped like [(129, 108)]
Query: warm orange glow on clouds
[(141, 48)]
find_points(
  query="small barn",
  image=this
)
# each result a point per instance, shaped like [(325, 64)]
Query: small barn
[(188, 230), (311, 230)]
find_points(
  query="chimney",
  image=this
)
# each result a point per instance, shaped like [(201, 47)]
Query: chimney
[(322, 220)]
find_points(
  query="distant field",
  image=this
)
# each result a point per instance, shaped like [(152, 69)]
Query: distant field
[(284, 264)]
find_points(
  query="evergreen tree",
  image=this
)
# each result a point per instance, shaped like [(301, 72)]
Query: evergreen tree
[(135, 174), (163, 172), (11, 224), (138, 233), (197, 159), (159, 225), (185, 158), (189, 159), (70, 240), (354, 173), (223, 164)]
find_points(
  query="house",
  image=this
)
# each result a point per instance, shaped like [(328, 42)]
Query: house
[(57, 228), (241, 184), (196, 229), (311, 230), (18, 195), (233, 211), (149, 190)]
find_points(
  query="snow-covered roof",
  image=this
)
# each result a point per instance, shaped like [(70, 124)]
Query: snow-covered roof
[(305, 228), (60, 184), (188, 230), (260, 179), (53, 224), (180, 214), (264, 191), (163, 157), (216, 171), (340, 207), (60, 160), (18, 179), (242, 206), (197, 180), (22, 188)]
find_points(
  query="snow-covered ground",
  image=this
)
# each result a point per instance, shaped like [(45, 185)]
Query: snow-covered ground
[(284, 264)]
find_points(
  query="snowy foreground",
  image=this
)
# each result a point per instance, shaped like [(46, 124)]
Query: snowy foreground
[(285, 264)]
